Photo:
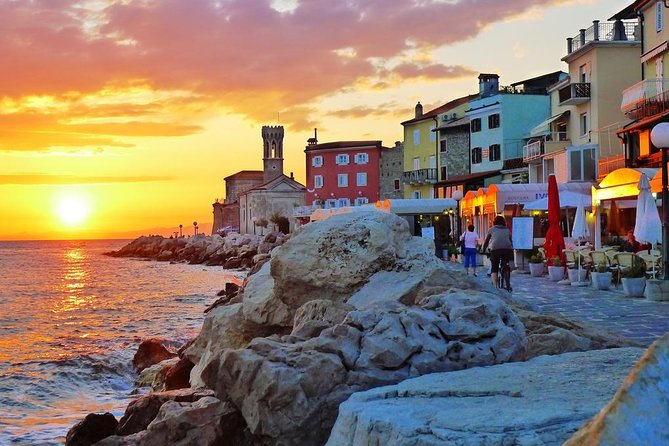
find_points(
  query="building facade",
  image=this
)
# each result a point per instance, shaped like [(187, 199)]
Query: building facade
[(343, 173), (390, 172), (226, 213)]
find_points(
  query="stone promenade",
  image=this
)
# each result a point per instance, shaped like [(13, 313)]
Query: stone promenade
[(636, 319)]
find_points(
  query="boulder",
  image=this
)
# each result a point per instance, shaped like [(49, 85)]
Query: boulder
[(91, 429), (289, 389), (178, 376), (639, 410), (154, 376), (150, 352), (142, 411), (315, 316), (539, 402)]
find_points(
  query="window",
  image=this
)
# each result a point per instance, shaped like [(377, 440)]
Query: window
[(317, 161), (476, 125), (583, 73), (433, 162), (416, 163), (396, 184), (342, 180), (442, 145), (433, 134), (416, 194), (494, 152), (584, 124), (332, 203), (361, 179), (476, 155), (318, 181), (659, 18), (343, 202), (361, 158), (493, 121), (360, 201), (416, 137), (582, 164), (549, 167), (342, 159)]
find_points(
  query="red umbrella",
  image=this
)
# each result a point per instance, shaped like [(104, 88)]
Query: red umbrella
[(554, 243), (613, 222)]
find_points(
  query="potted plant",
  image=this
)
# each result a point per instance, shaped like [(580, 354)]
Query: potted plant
[(601, 276), (634, 278), (536, 265), (555, 271), (576, 273)]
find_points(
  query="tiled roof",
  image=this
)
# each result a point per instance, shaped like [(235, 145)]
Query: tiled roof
[(246, 174), (443, 108), (343, 145)]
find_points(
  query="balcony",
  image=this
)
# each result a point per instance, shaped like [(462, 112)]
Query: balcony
[(553, 142), (607, 165), (645, 99), (421, 176), (533, 151), (574, 93), (604, 31)]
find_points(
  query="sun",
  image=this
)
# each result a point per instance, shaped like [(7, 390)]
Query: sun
[(72, 210)]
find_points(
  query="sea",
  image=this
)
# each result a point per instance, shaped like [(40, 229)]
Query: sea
[(71, 319)]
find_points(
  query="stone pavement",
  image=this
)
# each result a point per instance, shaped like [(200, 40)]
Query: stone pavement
[(636, 319)]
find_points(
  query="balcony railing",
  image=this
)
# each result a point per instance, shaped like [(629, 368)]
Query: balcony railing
[(607, 165), (575, 93), (420, 176), (303, 211), (533, 151), (604, 31), (647, 98)]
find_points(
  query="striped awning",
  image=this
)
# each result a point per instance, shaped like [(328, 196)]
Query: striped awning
[(545, 127)]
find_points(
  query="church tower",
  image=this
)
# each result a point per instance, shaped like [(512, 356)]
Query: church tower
[(272, 139)]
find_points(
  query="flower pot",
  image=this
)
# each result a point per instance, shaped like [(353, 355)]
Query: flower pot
[(634, 286), (601, 281), (555, 273), (536, 269), (576, 275)]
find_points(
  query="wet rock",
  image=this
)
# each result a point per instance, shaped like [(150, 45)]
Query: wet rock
[(178, 376), (91, 429), (155, 375), (150, 352), (639, 411), (143, 410)]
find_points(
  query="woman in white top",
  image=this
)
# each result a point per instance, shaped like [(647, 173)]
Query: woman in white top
[(470, 239)]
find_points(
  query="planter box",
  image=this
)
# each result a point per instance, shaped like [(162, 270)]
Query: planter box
[(576, 275), (601, 281), (634, 286), (536, 269), (555, 273)]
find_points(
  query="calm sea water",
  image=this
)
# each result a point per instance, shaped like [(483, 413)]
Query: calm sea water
[(71, 320)]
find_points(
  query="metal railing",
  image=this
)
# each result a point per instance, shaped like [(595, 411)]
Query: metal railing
[(604, 31), (646, 98), (533, 150), (607, 165), (420, 176), (575, 92)]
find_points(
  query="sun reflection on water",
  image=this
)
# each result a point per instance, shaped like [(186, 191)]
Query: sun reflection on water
[(73, 283)]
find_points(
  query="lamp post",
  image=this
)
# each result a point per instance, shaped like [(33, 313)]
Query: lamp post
[(457, 196), (181, 234), (660, 138)]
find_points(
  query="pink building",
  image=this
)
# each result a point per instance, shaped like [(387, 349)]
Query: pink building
[(343, 173)]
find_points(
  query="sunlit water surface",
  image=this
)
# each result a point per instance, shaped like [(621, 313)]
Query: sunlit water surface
[(70, 322)]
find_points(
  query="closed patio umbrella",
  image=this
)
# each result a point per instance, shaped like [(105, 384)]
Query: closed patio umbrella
[(580, 231), (613, 222), (647, 226), (554, 243)]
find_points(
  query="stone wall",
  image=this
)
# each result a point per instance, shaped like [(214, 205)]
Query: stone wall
[(391, 168), (265, 203), (235, 186), (456, 156)]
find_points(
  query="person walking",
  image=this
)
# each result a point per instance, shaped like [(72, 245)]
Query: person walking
[(470, 240), (501, 247)]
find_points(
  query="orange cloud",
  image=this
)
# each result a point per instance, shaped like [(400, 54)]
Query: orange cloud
[(42, 179)]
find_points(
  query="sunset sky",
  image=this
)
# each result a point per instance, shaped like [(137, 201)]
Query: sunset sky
[(121, 117)]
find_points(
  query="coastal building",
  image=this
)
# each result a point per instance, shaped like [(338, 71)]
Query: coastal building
[(421, 146), (342, 173), (578, 142), (390, 172), (261, 198), (500, 119)]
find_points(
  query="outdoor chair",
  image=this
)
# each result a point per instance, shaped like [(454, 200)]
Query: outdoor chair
[(600, 257), (570, 257), (623, 261), (652, 263)]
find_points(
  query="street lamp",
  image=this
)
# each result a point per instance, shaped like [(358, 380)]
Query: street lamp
[(457, 196), (660, 138), (181, 234)]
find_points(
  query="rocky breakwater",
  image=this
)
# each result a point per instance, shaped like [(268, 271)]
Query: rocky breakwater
[(232, 251), (347, 304)]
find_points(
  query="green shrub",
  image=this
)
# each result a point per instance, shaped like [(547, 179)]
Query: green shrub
[(637, 270)]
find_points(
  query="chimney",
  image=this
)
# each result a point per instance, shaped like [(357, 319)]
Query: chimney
[(291, 176), (313, 141), (488, 85), (419, 110)]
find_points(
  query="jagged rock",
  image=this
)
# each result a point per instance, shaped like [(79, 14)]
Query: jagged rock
[(178, 376), (539, 402), (259, 303), (289, 391), (154, 376), (150, 352), (315, 316), (143, 410), (91, 429), (549, 334), (638, 413)]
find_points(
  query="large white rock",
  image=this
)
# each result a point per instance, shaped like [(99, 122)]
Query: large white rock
[(539, 402), (288, 389), (638, 414)]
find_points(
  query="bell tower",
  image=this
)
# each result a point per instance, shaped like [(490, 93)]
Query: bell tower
[(272, 139)]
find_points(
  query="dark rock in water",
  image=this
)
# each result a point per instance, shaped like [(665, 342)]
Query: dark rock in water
[(221, 293), (149, 352), (142, 411), (91, 429), (178, 377), (233, 263), (231, 290)]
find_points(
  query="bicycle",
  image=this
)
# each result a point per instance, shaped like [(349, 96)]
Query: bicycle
[(504, 275)]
